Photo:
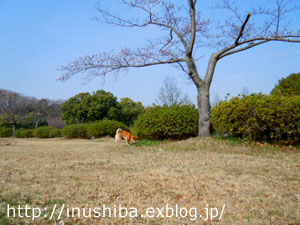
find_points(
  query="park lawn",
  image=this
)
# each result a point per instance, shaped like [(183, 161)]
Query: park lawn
[(257, 183)]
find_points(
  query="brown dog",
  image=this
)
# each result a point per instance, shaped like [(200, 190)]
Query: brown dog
[(122, 134)]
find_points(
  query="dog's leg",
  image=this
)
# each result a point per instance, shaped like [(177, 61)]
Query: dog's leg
[(118, 139), (127, 141)]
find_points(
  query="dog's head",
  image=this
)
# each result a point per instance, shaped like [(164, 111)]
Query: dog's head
[(134, 139)]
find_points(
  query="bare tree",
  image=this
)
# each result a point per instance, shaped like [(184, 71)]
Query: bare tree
[(185, 32), (170, 94), (12, 107), (41, 110), (54, 113), (245, 91), (46, 111), (216, 99)]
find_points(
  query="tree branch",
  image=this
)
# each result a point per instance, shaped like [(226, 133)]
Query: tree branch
[(242, 29), (184, 27), (259, 40), (182, 68), (242, 49), (193, 27), (168, 42), (100, 65), (118, 21)]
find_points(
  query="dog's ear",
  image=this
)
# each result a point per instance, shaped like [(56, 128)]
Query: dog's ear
[(135, 138)]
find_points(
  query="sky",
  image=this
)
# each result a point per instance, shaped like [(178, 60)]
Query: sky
[(37, 37)]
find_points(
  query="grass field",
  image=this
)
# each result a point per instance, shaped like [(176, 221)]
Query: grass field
[(259, 184)]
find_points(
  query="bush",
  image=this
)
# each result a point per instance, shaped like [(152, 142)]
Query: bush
[(175, 122), (47, 132), (26, 133), (288, 86), (55, 132), (105, 127), (18, 132), (76, 131), (5, 132), (259, 117)]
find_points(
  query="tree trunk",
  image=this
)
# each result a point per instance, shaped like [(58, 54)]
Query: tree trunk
[(203, 86), (204, 111), (14, 129), (204, 129), (37, 121)]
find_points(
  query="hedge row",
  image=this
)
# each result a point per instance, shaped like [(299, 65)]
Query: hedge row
[(76, 131), (98, 129), (105, 127), (47, 132), (5, 132), (40, 132), (259, 117), (27, 133), (159, 123)]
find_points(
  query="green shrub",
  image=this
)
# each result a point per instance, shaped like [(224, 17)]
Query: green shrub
[(175, 122), (18, 132), (288, 86), (26, 133), (46, 132), (259, 117), (76, 131), (105, 127), (5, 132), (55, 132)]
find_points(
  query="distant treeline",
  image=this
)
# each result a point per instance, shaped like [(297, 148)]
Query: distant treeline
[(19, 111)]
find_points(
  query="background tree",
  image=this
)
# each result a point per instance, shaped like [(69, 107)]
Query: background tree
[(288, 86), (41, 108), (72, 112), (1, 121), (245, 91), (43, 112), (85, 107), (37, 111), (21, 111), (185, 32), (32, 120), (13, 107), (170, 94), (130, 110), (54, 113), (99, 104), (216, 100)]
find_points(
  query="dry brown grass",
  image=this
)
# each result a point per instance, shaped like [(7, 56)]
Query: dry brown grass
[(258, 184)]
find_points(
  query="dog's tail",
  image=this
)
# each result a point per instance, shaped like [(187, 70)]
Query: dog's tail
[(119, 129)]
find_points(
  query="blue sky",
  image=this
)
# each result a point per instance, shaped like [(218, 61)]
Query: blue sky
[(39, 36)]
